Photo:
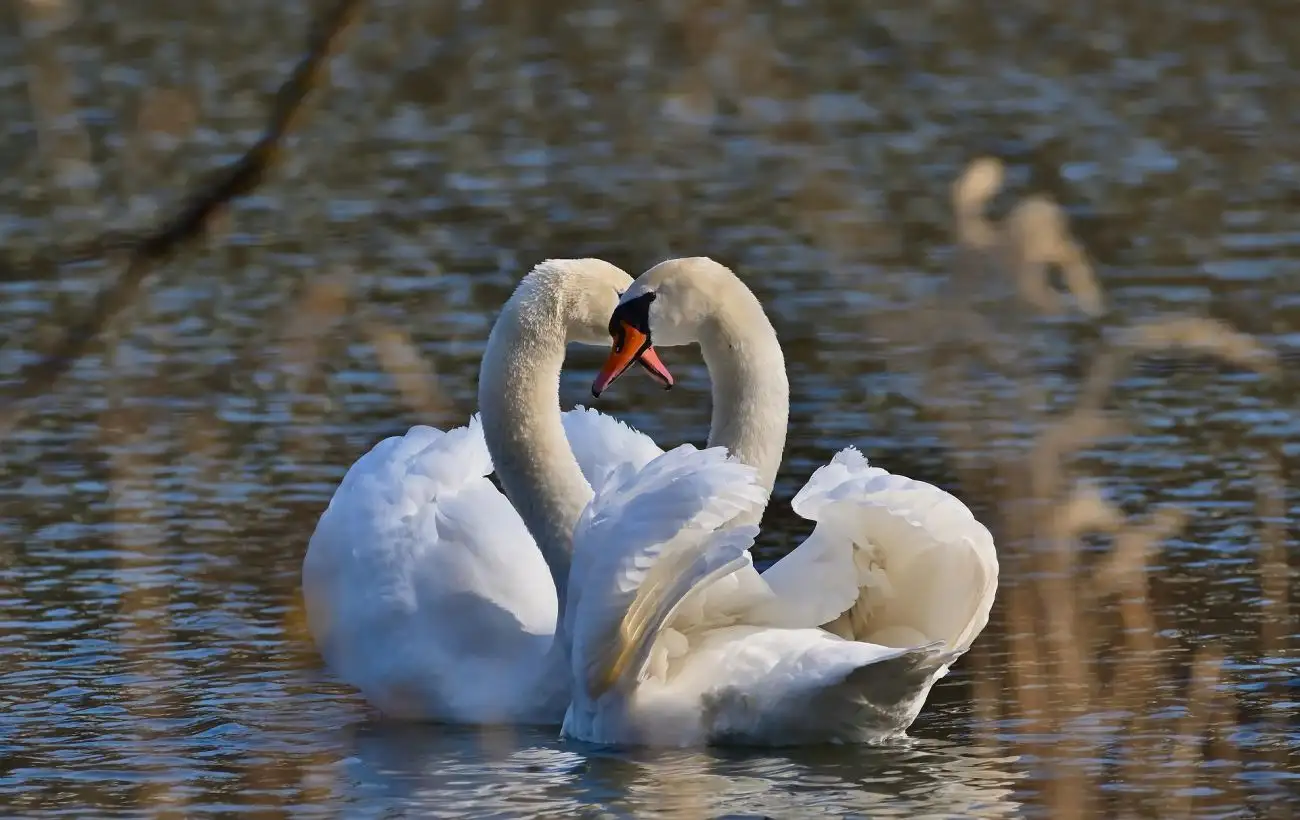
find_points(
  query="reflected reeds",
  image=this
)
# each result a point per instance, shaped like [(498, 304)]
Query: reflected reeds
[(1072, 561)]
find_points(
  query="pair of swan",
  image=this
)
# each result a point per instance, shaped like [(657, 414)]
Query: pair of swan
[(439, 598)]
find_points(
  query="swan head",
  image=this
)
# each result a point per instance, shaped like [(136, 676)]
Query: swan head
[(582, 293), (671, 304)]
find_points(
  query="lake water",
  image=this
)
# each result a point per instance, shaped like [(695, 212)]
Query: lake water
[(157, 503)]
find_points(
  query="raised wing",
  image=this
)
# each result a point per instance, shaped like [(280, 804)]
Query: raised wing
[(902, 561), (647, 540), (602, 443)]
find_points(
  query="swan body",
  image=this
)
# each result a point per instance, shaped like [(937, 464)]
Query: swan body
[(422, 584), (656, 660), (840, 640)]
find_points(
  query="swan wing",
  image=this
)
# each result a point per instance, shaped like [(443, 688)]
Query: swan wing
[(644, 543), (421, 580), (817, 581), (891, 561), (602, 444)]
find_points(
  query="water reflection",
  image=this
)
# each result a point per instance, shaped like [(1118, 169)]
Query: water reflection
[(454, 772), (155, 507)]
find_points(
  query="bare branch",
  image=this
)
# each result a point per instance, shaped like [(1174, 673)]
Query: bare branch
[(236, 180)]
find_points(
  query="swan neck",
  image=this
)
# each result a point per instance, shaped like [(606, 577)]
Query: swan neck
[(751, 392), (519, 388)]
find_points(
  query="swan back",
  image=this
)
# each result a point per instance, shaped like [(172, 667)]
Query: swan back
[(420, 582)]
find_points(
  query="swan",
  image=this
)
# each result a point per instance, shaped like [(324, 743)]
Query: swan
[(422, 585), (677, 640)]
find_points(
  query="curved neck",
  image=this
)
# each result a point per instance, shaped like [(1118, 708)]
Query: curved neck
[(518, 396), (751, 393)]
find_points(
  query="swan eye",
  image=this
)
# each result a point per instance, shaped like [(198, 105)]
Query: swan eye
[(634, 313)]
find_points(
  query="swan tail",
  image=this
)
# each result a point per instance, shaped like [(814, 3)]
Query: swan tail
[(796, 687), (644, 543), (881, 699)]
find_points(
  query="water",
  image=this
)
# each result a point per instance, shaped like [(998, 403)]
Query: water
[(157, 504)]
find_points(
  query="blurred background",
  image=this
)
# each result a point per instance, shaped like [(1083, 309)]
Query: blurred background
[(1091, 341)]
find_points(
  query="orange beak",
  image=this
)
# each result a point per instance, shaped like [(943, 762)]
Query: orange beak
[(630, 346)]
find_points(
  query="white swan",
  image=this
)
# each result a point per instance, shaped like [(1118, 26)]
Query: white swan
[(677, 640), (422, 585)]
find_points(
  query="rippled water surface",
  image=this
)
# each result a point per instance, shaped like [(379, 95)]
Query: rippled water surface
[(157, 503)]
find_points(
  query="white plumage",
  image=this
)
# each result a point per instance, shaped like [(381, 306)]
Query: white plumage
[(429, 589), (660, 657), (678, 640), (424, 589)]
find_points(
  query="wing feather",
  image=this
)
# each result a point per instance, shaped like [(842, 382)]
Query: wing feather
[(903, 561), (602, 444), (643, 544)]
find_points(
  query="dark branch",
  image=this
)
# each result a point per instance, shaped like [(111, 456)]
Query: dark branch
[(146, 251)]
